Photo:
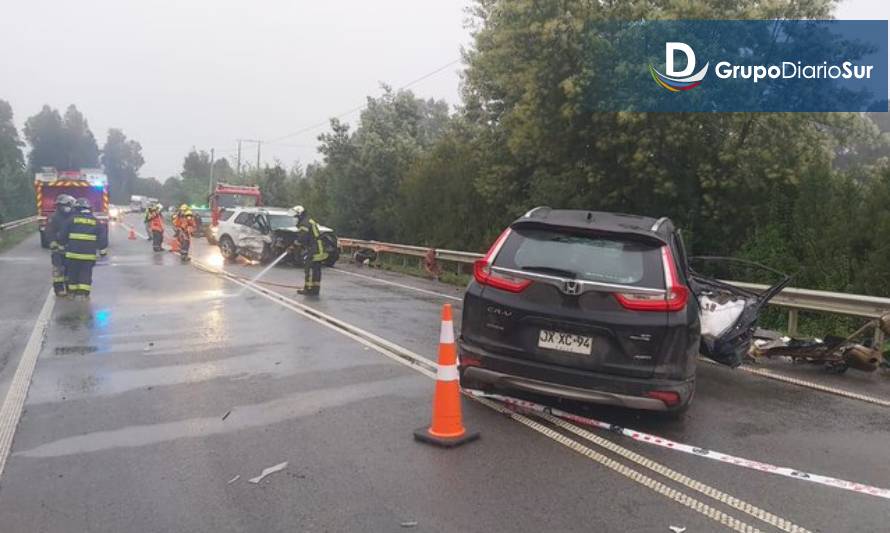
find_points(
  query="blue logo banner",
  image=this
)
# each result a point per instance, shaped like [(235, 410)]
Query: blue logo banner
[(736, 65)]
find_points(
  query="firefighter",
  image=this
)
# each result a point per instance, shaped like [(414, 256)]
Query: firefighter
[(309, 237), (82, 238), (184, 226), (64, 211), (156, 227)]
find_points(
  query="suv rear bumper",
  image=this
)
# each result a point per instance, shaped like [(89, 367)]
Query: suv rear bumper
[(572, 384)]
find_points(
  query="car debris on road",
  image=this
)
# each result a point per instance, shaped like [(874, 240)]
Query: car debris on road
[(836, 354), (268, 471)]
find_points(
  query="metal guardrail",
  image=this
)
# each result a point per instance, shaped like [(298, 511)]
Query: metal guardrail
[(17, 223), (791, 298)]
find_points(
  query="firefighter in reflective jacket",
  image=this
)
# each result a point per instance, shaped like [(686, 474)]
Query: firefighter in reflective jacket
[(63, 213), (184, 225), (309, 237), (156, 227), (83, 239)]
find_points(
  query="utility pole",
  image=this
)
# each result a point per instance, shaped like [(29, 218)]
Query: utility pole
[(258, 144), (239, 158), (212, 157)]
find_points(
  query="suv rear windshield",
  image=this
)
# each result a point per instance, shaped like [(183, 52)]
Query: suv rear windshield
[(582, 256)]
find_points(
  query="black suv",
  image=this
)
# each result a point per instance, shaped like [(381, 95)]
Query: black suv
[(584, 305)]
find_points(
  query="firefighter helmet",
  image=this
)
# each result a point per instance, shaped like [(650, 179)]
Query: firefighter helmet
[(297, 211), (82, 203), (64, 200)]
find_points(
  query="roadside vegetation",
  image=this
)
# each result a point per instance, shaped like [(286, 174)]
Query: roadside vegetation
[(804, 193)]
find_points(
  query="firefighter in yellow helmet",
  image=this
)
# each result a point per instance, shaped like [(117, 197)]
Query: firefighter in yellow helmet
[(312, 247), (184, 225)]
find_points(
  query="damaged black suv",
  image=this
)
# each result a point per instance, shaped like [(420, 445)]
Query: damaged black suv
[(597, 307)]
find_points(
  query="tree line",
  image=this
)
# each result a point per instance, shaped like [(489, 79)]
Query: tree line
[(806, 193)]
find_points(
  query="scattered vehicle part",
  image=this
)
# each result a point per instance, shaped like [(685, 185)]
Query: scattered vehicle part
[(836, 354), (410, 523), (234, 479), (728, 313), (677, 529), (268, 471), (227, 414)]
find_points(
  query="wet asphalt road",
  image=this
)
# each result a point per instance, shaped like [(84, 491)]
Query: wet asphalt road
[(123, 426)]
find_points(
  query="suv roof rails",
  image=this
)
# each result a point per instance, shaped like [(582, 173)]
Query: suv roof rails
[(537, 211)]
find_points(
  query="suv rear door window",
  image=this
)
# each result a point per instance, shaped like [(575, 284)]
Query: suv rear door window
[(582, 256)]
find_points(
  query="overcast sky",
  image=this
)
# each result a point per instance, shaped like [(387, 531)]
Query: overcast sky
[(174, 74)]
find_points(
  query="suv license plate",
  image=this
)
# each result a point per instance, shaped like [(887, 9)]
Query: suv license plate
[(565, 342)]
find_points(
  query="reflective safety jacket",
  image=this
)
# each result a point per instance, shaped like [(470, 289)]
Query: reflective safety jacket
[(82, 236), (156, 222), (185, 223), (310, 239)]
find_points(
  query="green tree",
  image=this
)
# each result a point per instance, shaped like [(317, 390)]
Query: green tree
[(121, 159), (63, 143), (16, 193)]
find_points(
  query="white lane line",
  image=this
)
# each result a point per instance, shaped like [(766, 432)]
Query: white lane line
[(808, 384), (11, 411), (396, 284), (424, 366)]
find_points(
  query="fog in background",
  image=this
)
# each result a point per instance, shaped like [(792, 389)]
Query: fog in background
[(200, 73)]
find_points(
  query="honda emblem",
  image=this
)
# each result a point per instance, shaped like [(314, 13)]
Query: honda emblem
[(571, 287)]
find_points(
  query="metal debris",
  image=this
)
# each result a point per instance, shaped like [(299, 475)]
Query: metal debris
[(227, 414), (234, 479), (271, 470), (677, 529), (410, 523)]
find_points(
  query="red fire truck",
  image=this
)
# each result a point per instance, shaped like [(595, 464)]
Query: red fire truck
[(229, 196), (91, 184)]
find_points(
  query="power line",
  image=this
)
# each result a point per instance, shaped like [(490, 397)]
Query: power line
[(358, 108)]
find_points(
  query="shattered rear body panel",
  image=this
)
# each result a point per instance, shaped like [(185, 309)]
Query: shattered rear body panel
[(729, 314)]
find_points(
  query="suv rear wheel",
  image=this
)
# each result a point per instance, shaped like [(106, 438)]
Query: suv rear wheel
[(227, 248)]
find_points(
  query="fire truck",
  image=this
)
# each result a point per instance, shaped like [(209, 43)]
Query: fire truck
[(88, 183), (227, 196)]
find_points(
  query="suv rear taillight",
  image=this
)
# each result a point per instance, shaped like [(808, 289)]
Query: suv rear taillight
[(484, 274), (675, 297)]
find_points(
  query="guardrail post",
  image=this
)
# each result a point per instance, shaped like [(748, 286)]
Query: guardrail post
[(792, 322)]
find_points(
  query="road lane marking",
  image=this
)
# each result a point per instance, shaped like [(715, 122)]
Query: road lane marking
[(640, 436), (396, 284), (808, 384), (11, 411), (670, 493), (673, 475), (425, 366)]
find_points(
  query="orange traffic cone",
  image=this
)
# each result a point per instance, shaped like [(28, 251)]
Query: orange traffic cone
[(132, 235), (447, 429), (174, 245)]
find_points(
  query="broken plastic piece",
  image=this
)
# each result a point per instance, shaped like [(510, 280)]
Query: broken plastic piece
[(227, 414), (234, 479), (271, 470), (410, 523), (677, 529)]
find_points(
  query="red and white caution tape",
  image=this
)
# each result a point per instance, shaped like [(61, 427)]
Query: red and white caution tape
[(851, 486)]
